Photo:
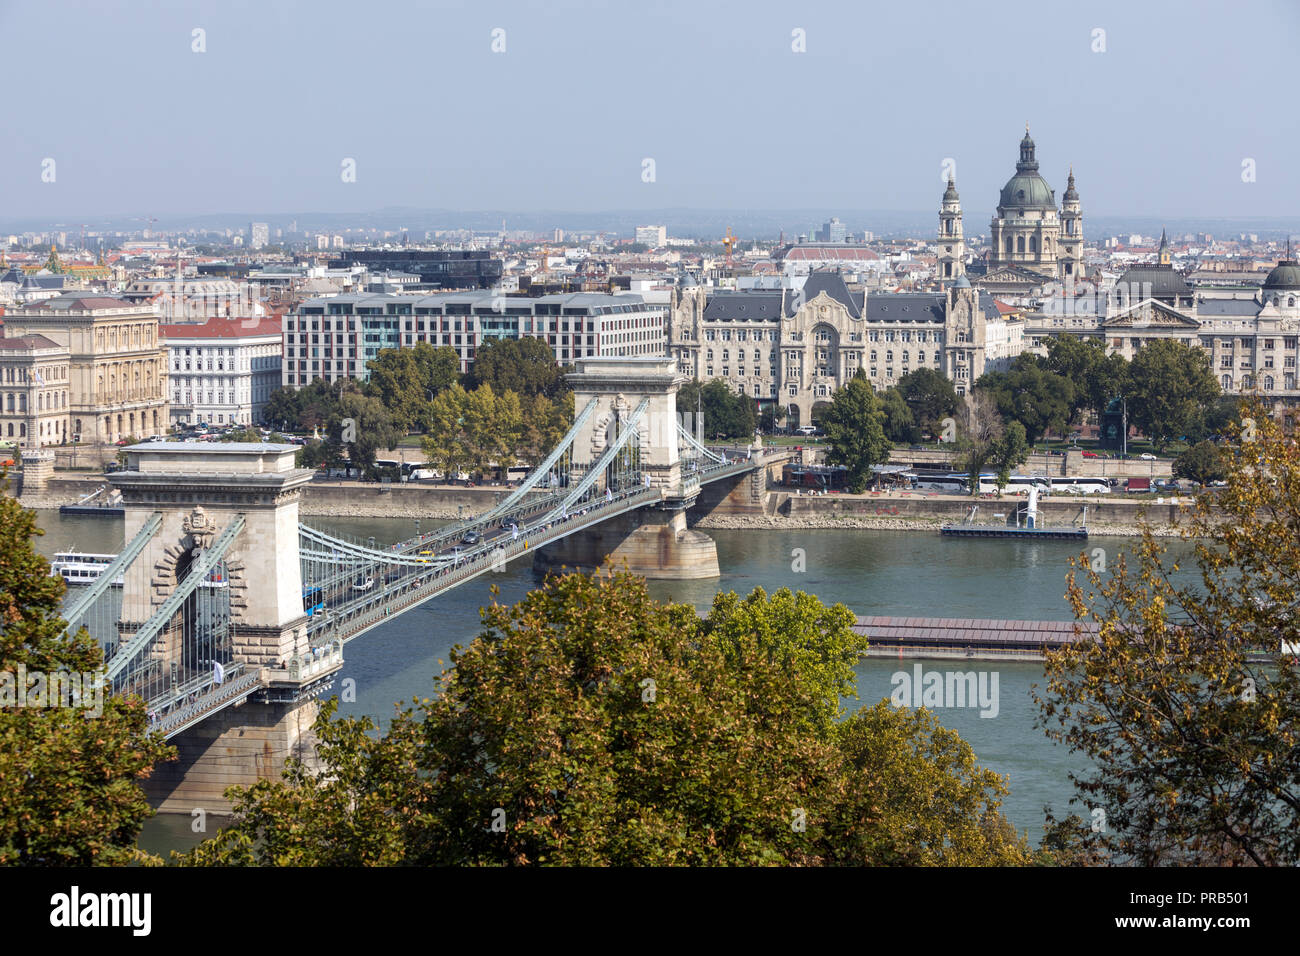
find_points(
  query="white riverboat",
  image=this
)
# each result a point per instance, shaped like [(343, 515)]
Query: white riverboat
[(78, 568)]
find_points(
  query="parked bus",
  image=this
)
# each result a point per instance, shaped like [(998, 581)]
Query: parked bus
[(1016, 484), (954, 484), (820, 477), (1080, 486)]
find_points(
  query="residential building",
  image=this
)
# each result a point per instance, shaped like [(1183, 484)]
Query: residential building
[(222, 371), (333, 338), (656, 237), (117, 368), (259, 235)]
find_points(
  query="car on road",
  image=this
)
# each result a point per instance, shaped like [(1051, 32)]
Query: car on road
[(1092, 454), (1147, 456), (471, 537)]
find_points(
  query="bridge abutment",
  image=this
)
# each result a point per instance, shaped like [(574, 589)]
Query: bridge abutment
[(239, 745), (651, 542)]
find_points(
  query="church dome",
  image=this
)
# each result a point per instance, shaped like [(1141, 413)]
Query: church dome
[(950, 194), (1285, 275), (1026, 189)]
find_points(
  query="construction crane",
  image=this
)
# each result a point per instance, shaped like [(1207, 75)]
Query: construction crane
[(729, 243)]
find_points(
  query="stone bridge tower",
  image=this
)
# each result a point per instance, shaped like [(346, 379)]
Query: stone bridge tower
[(200, 490), (652, 541)]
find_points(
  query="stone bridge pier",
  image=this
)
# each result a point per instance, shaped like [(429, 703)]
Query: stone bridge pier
[(652, 541), (200, 490)]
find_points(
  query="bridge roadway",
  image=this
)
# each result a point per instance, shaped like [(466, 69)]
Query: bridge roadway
[(348, 614)]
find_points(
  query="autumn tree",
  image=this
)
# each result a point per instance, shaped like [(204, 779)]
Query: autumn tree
[(1187, 702), (68, 778), (855, 431), (591, 725)]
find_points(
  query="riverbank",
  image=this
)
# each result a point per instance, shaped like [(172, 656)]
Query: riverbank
[(927, 524)]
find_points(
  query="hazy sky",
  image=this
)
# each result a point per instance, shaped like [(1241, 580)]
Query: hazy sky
[(137, 123)]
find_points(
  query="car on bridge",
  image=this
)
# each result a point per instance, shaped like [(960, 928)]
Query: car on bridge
[(471, 537)]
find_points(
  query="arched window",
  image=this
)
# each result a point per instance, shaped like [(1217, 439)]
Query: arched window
[(11, 429), (1020, 243), (1033, 243), (1227, 383), (22, 429), (1008, 245), (1290, 302), (1268, 383)]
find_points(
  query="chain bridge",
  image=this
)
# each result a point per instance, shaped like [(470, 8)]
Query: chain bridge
[(229, 615)]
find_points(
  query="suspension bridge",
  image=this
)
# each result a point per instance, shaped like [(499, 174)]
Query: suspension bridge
[(228, 615)]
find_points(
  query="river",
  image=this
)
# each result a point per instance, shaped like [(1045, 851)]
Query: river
[(872, 572)]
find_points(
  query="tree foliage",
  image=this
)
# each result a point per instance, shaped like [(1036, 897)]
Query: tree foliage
[(931, 397), (403, 379), (727, 414), (68, 790), (1096, 377), (1201, 463), (897, 419), (591, 725), (1029, 394), (1185, 703), (1169, 384), (526, 366), (855, 431)]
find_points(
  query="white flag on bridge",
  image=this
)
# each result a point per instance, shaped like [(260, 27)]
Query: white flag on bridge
[(218, 672)]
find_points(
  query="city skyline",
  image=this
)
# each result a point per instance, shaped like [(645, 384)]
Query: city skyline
[(263, 109)]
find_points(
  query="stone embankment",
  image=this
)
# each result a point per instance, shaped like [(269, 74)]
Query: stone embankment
[(927, 513)]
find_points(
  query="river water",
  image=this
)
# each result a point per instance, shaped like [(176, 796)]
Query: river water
[(872, 572)]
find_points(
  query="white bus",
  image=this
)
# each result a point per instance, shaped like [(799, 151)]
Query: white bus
[(1080, 486), (1016, 484), (951, 483)]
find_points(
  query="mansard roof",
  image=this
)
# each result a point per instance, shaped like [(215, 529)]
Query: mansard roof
[(832, 283)]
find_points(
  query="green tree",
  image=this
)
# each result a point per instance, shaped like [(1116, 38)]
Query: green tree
[(727, 414), (544, 424), (526, 366), (1215, 419), (1026, 393), (1201, 463), (855, 432), (395, 381), (362, 425), (1169, 384), (1097, 377), (1187, 702), (68, 790), (1010, 450), (899, 425), (592, 725), (931, 397)]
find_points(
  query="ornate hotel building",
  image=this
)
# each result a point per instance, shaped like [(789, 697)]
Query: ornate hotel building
[(796, 346)]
